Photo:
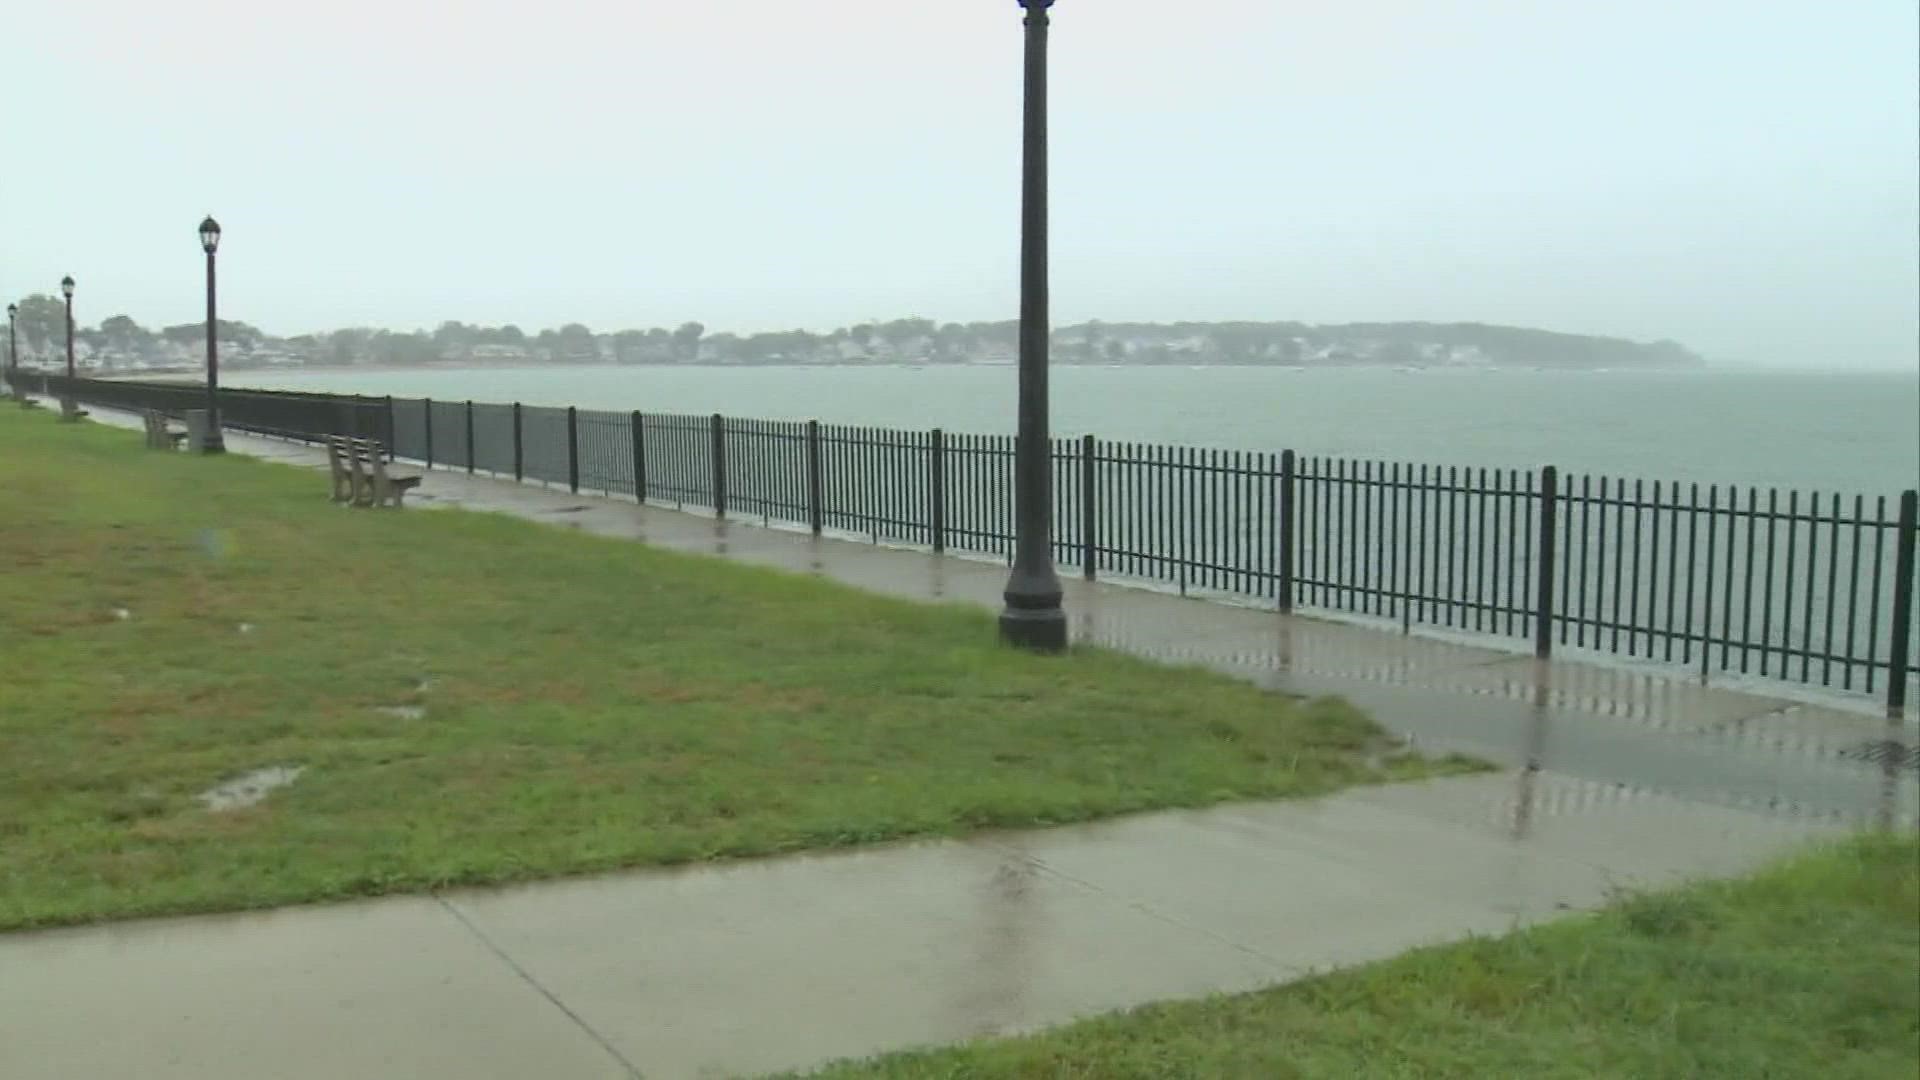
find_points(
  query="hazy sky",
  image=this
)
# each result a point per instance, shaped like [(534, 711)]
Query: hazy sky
[(1739, 175)]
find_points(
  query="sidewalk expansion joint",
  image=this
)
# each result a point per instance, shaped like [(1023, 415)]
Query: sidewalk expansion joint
[(527, 977)]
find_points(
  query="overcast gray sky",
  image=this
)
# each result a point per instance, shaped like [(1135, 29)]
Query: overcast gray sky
[(1739, 175)]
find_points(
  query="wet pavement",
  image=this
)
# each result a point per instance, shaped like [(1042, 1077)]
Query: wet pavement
[(1616, 778), (788, 963)]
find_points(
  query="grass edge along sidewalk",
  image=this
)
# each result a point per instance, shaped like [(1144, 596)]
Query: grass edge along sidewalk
[(1806, 969), (471, 699)]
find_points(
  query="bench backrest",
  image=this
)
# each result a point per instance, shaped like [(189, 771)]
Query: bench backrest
[(348, 449), (158, 436), (364, 460)]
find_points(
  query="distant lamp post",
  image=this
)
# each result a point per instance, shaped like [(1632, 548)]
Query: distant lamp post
[(13, 352), (212, 442), (68, 410), (1033, 618), (66, 290)]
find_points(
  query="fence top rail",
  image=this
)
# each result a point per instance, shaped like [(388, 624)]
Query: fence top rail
[(906, 441), (677, 420)]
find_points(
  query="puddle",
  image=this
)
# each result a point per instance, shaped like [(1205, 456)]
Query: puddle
[(247, 790), (1885, 752), (403, 712)]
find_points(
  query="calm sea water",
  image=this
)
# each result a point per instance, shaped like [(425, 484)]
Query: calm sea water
[(1849, 433)]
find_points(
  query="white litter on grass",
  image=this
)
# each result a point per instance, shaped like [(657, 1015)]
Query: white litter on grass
[(403, 712), (122, 614), (246, 628), (250, 789)]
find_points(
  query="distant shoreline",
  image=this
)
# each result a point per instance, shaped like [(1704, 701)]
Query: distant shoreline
[(898, 365), (237, 374)]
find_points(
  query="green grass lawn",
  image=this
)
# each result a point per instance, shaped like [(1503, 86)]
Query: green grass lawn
[(173, 621), (1809, 970)]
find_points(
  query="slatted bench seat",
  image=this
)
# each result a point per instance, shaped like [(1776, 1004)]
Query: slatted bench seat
[(360, 473)]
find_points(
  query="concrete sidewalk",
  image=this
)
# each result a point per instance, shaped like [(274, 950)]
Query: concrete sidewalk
[(792, 962), (1623, 778)]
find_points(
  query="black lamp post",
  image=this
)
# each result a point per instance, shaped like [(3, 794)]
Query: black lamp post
[(13, 353), (1033, 618), (212, 443), (68, 411), (66, 290)]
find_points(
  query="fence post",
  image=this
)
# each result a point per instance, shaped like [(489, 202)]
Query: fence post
[(519, 467), (1089, 511), (1287, 528), (573, 450), (1543, 599), (428, 406), (469, 437), (937, 463), (639, 459), (815, 514), (390, 427), (1900, 641), (719, 428)]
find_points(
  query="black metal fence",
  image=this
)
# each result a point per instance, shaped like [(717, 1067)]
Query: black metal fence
[(268, 412), (1810, 587)]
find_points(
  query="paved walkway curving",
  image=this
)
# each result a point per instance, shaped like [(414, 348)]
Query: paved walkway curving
[(1616, 777)]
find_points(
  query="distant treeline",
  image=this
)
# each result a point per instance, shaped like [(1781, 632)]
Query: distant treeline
[(119, 342)]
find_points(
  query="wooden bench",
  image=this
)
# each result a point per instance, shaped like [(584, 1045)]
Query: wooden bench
[(338, 469), (159, 435), (360, 474)]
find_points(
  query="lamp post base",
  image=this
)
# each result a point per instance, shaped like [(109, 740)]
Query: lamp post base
[(1041, 630), (213, 443), (70, 412)]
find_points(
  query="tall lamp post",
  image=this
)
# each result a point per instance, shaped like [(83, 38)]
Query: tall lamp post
[(13, 354), (68, 410), (66, 290), (1033, 618), (212, 442)]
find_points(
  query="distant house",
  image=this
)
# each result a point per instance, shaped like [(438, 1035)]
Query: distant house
[(499, 353)]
